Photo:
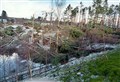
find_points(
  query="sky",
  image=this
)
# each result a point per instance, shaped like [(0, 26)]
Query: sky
[(26, 8)]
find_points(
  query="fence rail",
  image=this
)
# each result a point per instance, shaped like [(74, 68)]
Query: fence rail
[(25, 74)]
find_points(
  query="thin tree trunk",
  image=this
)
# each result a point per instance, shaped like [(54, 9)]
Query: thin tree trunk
[(109, 21), (118, 22), (114, 23), (57, 43)]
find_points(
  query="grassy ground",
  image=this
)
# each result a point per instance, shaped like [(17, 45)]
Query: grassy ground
[(103, 69)]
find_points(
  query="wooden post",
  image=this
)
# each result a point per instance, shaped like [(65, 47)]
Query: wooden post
[(16, 74), (4, 68), (29, 67), (46, 63)]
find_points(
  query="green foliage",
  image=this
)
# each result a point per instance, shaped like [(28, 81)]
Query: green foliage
[(4, 14), (65, 47), (117, 33), (37, 26), (59, 58), (75, 33), (90, 24), (74, 11), (98, 79), (19, 29), (99, 9), (104, 69), (81, 53), (56, 60), (110, 10), (108, 30), (9, 31)]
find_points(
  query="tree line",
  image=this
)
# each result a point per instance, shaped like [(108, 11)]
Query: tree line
[(99, 12)]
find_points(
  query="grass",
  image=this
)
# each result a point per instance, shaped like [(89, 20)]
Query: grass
[(109, 68), (105, 68)]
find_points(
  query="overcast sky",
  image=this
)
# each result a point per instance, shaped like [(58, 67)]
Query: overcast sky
[(26, 8)]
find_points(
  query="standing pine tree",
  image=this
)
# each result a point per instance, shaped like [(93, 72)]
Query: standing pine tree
[(4, 15)]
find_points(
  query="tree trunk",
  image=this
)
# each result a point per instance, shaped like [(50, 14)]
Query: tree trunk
[(114, 23), (51, 15), (118, 22), (109, 21)]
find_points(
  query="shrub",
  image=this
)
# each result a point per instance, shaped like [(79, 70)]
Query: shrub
[(108, 30), (65, 47), (56, 60), (19, 29), (117, 33), (9, 31), (80, 53), (75, 33)]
